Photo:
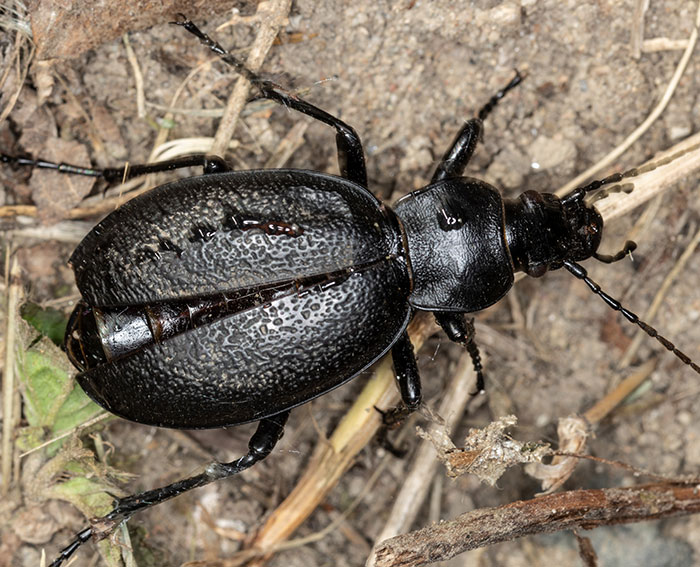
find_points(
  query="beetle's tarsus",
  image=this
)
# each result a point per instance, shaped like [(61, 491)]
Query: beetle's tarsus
[(70, 549), (181, 20), (262, 442)]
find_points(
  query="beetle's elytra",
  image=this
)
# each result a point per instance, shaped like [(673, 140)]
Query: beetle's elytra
[(237, 295), (273, 303)]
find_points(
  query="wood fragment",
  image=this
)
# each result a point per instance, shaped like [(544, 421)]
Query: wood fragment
[(276, 14), (13, 284), (585, 509), (637, 31), (663, 44)]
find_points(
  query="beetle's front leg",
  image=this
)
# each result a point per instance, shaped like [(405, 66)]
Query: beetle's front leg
[(457, 157), (262, 442), (460, 330)]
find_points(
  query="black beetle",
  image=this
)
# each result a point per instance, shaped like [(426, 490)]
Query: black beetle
[(237, 295)]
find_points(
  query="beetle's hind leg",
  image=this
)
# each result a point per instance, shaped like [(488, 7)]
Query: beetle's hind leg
[(461, 330), (211, 164), (261, 444), (351, 157), (392, 419)]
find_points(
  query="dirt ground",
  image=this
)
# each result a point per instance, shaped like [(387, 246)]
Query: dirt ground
[(406, 75)]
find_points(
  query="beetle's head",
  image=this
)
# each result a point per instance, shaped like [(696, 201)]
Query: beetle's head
[(585, 229), (543, 231)]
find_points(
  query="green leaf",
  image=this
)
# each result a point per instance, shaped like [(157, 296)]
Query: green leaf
[(55, 404), (89, 488), (48, 321), (52, 399)]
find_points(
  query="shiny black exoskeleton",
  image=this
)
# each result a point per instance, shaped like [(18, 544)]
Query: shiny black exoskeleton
[(233, 323), (236, 296)]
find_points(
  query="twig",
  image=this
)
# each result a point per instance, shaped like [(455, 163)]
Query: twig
[(611, 400), (292, 141), (163, 132), (14, 294), (341, 518), (278, 11), (424, 463), (663, 44), (138, 77), (77, 430), (637, 31), (21, 76), (634, 471), (585, 509), (185, 146)]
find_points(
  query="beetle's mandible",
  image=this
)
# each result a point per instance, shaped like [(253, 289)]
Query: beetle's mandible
[(237, 295)]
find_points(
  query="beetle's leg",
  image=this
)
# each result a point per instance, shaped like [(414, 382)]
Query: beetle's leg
[(408, 380), (460, 330), (391, 420), (457, 157), (351, 158), (211, 164), (262, 442), (407, 372), (629, 247)]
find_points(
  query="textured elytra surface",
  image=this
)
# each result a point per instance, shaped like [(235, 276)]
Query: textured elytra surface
[(260, 361), (153, 249), (274, 354)]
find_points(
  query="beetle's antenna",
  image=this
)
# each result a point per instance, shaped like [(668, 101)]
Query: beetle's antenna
[(581, 273), (578, 194)]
